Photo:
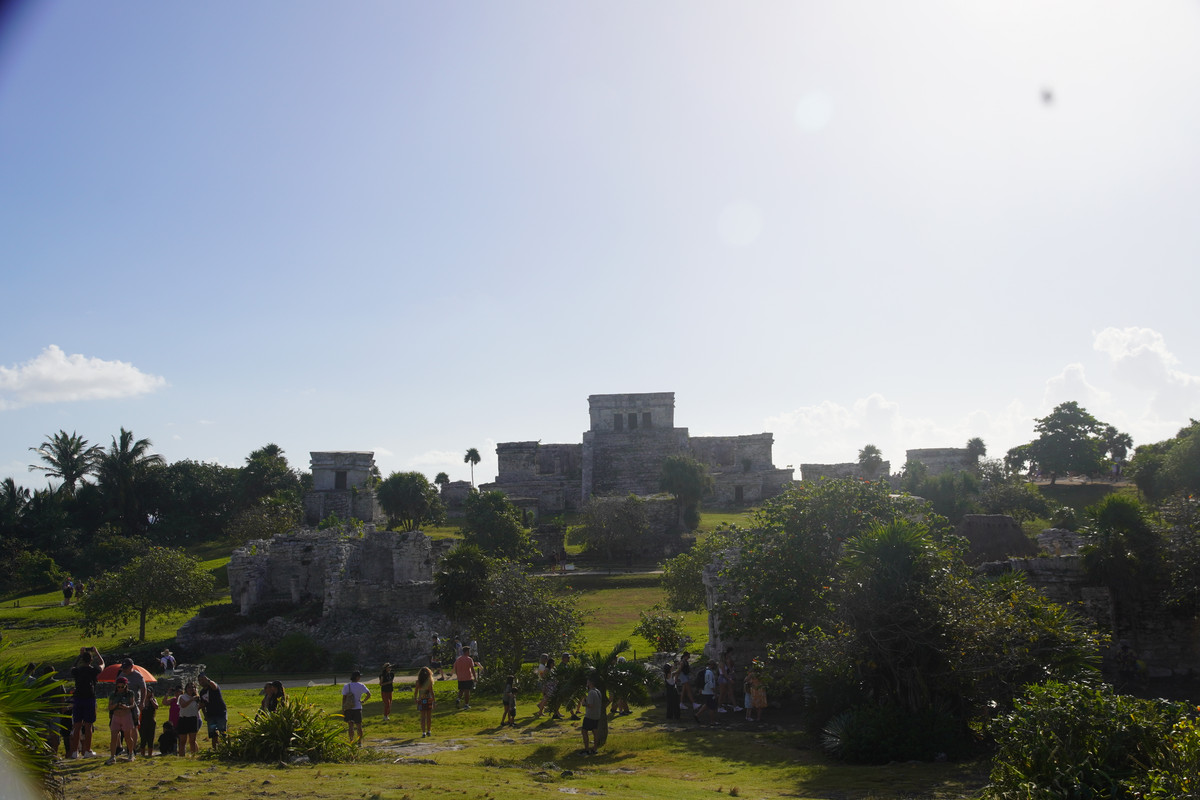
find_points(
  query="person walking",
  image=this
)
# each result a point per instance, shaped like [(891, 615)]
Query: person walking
[(423, 695), (353, 694), (87, 669), (464, 671)]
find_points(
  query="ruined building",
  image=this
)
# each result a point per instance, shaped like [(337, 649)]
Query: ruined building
[(374, 589), (622, 452)]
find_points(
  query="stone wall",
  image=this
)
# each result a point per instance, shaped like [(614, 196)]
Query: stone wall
[(628, 463), (849, 469), (943, 459), (341, 486)]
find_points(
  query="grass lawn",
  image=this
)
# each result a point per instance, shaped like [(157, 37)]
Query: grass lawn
[(468, 756), (612, 604)]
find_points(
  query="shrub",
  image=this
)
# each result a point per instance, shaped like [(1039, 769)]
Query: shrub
[(872, 734), (1071, 740), (662, 629), (295, 728), (297, 652)]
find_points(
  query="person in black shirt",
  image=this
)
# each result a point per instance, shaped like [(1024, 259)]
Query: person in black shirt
[(87, 669)]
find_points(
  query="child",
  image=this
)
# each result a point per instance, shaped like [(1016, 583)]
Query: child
[(168, 743), (510, 704)]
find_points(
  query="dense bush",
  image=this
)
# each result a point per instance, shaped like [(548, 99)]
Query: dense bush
[(662, 629), (1071, 740), (297, 652), (872, 734), (295, 728)]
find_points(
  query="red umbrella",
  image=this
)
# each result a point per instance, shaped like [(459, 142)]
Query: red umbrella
[(109, 674)]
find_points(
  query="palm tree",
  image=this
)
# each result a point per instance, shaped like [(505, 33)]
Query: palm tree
[(869, 461), (441, 480), (472, 458), (119, 470), (67, 457), (613, 675)]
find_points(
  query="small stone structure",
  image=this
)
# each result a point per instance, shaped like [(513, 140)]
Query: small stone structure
[(622, 453), (943, 459), (341, 486)]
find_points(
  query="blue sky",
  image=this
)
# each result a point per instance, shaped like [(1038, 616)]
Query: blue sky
[(416, 228)]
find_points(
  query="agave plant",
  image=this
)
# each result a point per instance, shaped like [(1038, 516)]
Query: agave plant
[(295, 728)]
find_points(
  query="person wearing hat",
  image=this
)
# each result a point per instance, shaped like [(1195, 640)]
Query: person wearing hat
[(120, 719), (167, 660)]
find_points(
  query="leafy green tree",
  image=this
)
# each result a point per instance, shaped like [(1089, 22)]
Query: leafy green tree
[(1168, 467), (267, 474), (462, 580), (1020, 500), (493, 524), (613, 525), (121, 472), (870, 461), (267, 518), (472, 458), (682, 574), (409, 500), (976, 449), (164, 581), (688, 480), (192, 501), (1071, 440), (662, 629), (1124, 550), (67, 457)]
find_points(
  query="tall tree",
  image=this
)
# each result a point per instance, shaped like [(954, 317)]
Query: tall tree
[(121, 470), (976, 448), (1070, 440), (409, 499), (266, 474), (870, 459), (67, 457), (493, 523), (472, 458), (441, 480), (688, 480), (164, 581)]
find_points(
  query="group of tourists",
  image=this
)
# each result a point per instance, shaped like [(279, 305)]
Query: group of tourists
[(712, 690), (71, 588), (133, 708)]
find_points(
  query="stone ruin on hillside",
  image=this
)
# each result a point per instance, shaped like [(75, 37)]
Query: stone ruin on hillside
[(622, 453), (374, 589)]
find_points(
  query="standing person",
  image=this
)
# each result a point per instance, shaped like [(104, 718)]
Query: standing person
[(387, 683), (68, 591), (87, 669), (147, 727), (215, 712), (758, 697), (137, 686), (708, 694), (167, 660), (189, 720), (544, 669), (509, 717), (173, 709), (464, 671), (269, 701), (120, 719), (423, 695), (685, 682), (670, 676), (353, 694), (591, 715), (435, 658)]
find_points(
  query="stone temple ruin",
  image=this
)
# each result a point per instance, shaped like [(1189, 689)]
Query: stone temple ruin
[(622, 452), (374, 589)]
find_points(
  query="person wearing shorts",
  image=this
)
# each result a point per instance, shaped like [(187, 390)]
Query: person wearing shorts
[(120, 719), (464, 671), (215, 712), (353, 694), (592, 709), (87, 669), (189, 720)]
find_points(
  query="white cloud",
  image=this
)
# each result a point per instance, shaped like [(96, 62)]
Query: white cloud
[(1144, 366), (833, 433), (1072, 384), (55, 377)]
